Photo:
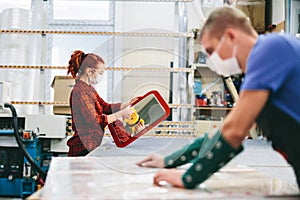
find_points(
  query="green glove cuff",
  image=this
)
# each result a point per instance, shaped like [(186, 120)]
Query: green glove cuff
[(204, 166), (185, 154)]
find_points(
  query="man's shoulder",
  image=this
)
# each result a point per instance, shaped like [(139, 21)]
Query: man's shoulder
[(274, 44), (277, 40)]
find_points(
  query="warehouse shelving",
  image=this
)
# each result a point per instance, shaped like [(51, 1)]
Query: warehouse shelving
[(59, 30)]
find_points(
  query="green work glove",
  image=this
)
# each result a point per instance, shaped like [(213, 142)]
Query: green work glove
[(214, 153), (185, 154)]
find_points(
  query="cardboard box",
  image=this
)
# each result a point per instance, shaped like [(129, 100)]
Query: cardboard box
[(255, 10), (62, 86), (279, 27)]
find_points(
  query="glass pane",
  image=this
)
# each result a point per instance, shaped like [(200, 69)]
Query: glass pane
[(4, 4), (64, 45), (81, 10)]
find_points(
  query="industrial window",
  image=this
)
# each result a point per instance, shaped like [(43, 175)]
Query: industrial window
[(81, 12), (25, 4)]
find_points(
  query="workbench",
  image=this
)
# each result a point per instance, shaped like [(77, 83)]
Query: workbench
[(111, 173)]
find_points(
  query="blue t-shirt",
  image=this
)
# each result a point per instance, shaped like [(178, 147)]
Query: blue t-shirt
[(274, 65)]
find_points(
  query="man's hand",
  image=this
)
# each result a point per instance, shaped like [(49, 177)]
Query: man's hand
[(153, 160), (172, 176)]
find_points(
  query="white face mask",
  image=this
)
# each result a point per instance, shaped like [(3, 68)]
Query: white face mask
[(225, 67), (98, 79)]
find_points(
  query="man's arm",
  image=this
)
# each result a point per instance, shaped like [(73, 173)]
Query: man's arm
[(239, 121), (222, 147)]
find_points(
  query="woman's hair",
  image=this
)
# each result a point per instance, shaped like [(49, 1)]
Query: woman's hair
[(80, 61)]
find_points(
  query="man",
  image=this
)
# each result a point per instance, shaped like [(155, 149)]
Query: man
[(270, 96)]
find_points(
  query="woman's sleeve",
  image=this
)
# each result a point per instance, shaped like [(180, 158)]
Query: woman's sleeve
[(109, 108)]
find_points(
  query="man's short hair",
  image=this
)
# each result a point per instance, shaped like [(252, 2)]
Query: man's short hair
[(226, 17)]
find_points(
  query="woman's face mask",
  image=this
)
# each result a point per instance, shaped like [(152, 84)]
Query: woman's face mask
[(99, 74), (225, 67), (98, 79)]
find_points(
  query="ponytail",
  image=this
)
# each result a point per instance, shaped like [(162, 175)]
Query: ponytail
[(75, 62), (79, 61)]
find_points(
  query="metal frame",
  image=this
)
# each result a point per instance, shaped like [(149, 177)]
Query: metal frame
[(73, 26), (109, 22), (293, 12)]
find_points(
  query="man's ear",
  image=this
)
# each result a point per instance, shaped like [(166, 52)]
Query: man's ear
[(232, 34)]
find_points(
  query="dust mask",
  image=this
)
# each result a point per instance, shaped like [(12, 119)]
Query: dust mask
[(98, 79), (225, 67)]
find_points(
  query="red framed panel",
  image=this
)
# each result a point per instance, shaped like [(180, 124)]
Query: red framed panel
[(117, 127)]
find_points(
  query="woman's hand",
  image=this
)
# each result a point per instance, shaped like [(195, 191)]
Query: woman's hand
[(125, 113), (172, 176), (140, 126), (153, 160), (132, 101)]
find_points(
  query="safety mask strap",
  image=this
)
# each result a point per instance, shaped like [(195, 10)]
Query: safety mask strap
[(220, 44), (234, 51)]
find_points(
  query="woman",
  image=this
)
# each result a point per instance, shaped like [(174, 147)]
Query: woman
[(90, 113)]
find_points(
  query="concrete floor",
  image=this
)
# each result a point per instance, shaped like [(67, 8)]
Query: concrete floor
[(257, 173)]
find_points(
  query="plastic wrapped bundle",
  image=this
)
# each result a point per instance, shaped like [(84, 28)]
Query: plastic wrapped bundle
[(19, 49)]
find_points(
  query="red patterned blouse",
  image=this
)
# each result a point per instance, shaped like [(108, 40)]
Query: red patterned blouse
[(89, 118)]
